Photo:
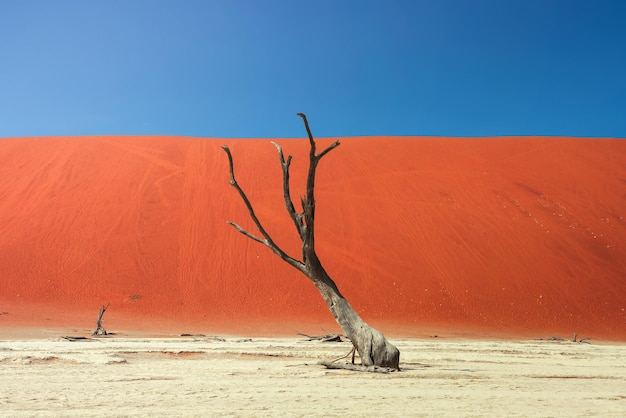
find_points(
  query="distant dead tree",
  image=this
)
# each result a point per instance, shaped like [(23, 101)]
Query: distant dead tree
[(99, 328), (370, 343)]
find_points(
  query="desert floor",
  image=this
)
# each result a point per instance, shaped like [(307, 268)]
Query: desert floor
[(130, 375)]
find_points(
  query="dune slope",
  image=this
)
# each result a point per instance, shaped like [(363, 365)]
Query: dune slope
[(515, 234)]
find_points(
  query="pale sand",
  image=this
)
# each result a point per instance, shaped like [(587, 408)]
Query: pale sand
[(203, 376)]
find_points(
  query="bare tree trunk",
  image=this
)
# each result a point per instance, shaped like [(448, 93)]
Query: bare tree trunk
[(370, 343)]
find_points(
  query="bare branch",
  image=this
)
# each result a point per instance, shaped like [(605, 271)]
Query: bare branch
[(295, 217), (268, 239), (312, 140), (308, 202), (247, 234), (230, 164), (233, 182), (308, 131), (327, 150)]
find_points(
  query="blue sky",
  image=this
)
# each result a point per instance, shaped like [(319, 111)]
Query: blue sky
[(236, 68)]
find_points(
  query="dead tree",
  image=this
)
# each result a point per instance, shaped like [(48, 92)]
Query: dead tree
[(370, 343), (99, 328)]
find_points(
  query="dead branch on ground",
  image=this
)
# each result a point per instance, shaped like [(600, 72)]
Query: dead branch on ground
[(327, 338), (573, 340), (74, 339), (357, 367)]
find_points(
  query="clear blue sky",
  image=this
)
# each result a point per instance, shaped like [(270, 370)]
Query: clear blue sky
[(243, 68)]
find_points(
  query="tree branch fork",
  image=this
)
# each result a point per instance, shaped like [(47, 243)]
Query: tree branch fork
[(303, 220)]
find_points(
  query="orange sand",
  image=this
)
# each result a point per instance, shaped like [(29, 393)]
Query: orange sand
[(514, 235)]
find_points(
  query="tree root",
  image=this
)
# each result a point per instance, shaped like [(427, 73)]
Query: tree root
[(351, 352)]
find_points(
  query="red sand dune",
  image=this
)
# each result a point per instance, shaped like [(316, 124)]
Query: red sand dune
[(513, 235)]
